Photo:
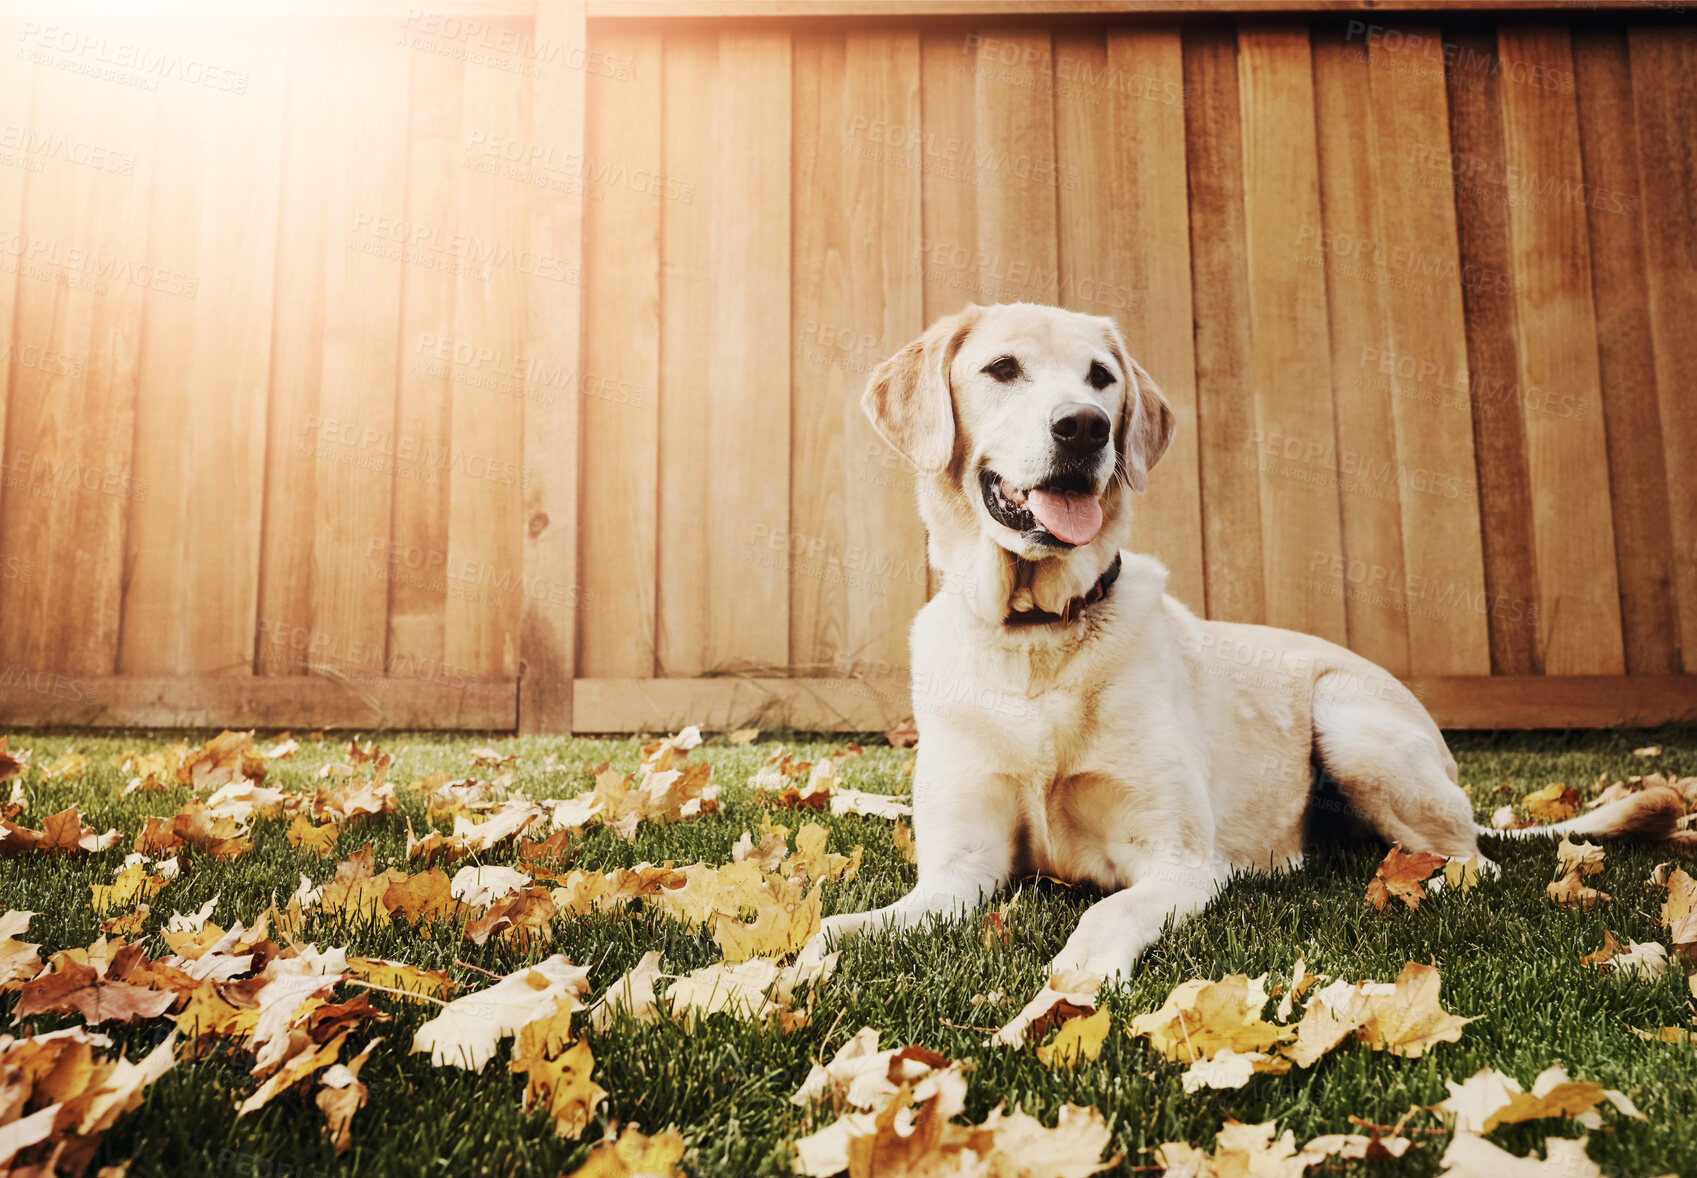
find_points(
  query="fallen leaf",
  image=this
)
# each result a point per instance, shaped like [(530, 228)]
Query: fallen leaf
[(635, 1156), (902, 834), (1570, 891), (1400, 875), (1244, 1150), (1553, 803), (1648, 960), (1490, 1098), (1403, 1017), (1079, 1039), (742, 736), (303, 832), (19, 961), (464, 1035), (632, 994), (1470, 1156), (73, 988), (341, 1095), (561, 1086), (1073, 988), (1200, 1018), (1585, 858), (903, 736)]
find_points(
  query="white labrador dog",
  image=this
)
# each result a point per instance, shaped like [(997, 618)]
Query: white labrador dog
[(1076, 721)]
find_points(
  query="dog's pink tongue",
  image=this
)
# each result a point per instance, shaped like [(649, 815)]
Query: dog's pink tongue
[(1071, 515)]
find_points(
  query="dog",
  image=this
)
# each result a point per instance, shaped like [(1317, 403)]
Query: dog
[(1074, 720)]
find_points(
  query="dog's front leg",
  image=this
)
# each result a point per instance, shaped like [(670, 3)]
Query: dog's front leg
[(1115, 931), (965, 838)]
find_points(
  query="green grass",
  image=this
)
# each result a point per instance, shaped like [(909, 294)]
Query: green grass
[(1508, 956)]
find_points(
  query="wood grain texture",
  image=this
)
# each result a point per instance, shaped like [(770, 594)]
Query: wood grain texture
[(620, 512), (1288, 260), (687, 293), (84, 267), (1443, 583), (1352, 167), (857, 565), (192, 584), (17, 87), (948, 257), (1016, 170), (1664, 94), (267, 701), (1233, 564), (1567, 455), (486, 465), (434, 361), (1151, 246), (747, 377), (553, 594), (1493, 355), (1626, 355)]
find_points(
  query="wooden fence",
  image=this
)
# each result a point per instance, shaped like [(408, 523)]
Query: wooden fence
[(499, 367)]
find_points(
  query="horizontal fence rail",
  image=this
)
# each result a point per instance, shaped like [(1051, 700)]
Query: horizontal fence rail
[(501, 369)]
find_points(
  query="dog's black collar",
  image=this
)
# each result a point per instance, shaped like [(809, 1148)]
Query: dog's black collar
[(1074, 608)]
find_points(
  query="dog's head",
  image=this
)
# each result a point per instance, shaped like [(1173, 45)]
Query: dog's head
[(1030, 427)]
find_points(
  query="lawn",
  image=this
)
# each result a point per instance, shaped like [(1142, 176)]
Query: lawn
[(1509, 958)]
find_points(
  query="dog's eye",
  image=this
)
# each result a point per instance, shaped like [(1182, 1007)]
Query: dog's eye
[(1098, 376), (1004, 369)]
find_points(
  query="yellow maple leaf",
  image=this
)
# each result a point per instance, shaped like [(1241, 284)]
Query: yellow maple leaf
[(787, 914), (1079, 1039), (635, 1156), (309, 836), (562, 1088), (1554, 803)]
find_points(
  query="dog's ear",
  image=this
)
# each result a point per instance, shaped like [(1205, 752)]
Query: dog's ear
[(1146, 423), (908, 397)]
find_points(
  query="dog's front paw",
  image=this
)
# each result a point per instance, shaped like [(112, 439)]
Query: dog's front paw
[(1112, 964), (832, 931)]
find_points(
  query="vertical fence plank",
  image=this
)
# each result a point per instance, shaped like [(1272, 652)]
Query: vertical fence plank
[(433, 361), (748, 358), (547, 629), (1145, 97), (1225, 407), (70, 481), (193, 543), (17, 86), (1638, 482), (948, 256), (362, 180), (688, 286), (620, 513), (1567, 458), (1292, 376), (1493, 355), (1351, 170), (1664, 92), (1018, 238), (825, 128), (1443, 582), (486, 465)]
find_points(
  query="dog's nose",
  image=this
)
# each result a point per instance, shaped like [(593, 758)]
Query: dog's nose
[(1079, 428)]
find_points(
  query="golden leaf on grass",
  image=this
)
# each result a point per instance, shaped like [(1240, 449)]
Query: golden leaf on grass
[(1066, 994), (1649, 750), (862, 1076), (586, 891), (1504, 818), (1679, 911), (422, 898), (1400, 875), (67, 767), (1462, 875), (62, 832), (1553, 803), (308, 1058), (632, 994), (1679, 1036), (1403, 1017), (19, 961), (1227, 1069), (1648, 960), (1571, 891), (1471, 1156), (758, 990), (787, 914), (523, 920), (129, 924), (771, 851), (1201, 1018), (1079, 1039), (12, 764), (131, 885), (635, 1156), (742, 736), (1244, 1150), (1585, 858), (815, 862), (464, 1035), (225, 758), (77, 1096), (1490, 1098), (902, 834), (341, 1095), (308, 835), (561, 1086), (399, 976)]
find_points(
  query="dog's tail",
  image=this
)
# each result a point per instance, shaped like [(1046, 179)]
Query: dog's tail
[(1650, 814)]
